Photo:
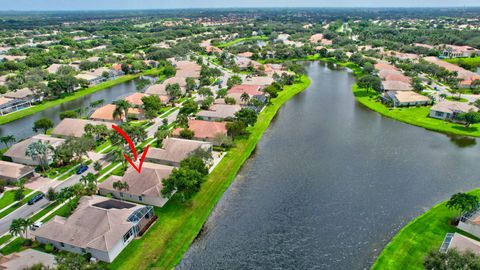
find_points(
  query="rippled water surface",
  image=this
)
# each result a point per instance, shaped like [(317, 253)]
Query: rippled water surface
[(330, 183)]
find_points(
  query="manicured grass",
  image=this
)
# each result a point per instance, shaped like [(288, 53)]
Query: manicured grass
[(5, 238), (474, 61), (102, 146), (15, 246), (417, 116), (425, 233), (44, 211), (18, 204), (238, 40), (9, 197), (456, 99), (164, 244)]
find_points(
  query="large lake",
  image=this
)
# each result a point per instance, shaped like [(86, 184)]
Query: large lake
[(329, 184)]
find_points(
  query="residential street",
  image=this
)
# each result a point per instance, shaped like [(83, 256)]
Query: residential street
[(22, 212)]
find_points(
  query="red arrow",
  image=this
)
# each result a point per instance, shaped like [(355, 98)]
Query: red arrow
[(132, 147)]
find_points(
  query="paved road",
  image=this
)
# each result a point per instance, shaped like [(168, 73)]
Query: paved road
[(22, 212)]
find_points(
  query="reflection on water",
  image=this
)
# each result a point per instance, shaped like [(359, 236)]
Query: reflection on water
[(462, 141), (330, 184)]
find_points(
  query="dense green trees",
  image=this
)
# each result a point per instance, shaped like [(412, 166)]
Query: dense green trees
[(43, 124)]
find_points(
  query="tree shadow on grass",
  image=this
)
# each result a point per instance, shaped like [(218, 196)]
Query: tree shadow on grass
[(465, 129), (364, 94)]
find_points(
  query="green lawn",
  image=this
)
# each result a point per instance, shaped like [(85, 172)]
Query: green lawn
[(15, 246), (417, 116), (455, 98), (473, 61), (9, 197), (17, 205), (238, 40), (410, 246), (164, 244)]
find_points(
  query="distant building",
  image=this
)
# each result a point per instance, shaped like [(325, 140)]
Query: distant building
[(453, 51), (99, 226), (450, 109), (218, 112), (26, 259), (406, 98)]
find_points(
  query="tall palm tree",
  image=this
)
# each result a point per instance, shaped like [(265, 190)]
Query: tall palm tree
[(121, 109), (245, 97), (26, 224), (39, 151), (16, 227), (7, 140), (120, 186)]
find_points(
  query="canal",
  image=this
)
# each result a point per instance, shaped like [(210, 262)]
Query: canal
[(329, 184), (22, 128)]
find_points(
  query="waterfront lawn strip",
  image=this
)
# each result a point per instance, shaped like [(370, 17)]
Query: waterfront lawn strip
[(417, 116), (164, 244), (410, 246), (40, 107)]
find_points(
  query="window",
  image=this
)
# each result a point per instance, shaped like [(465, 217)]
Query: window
[(62, 244), (140, 198), (121, 194), (439, 114), (128, 235)]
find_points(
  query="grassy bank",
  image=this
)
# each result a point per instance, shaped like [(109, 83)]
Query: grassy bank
[(471, 61), (164, 244), (425, 233), (417, 116), (238, 40), (83, 92)]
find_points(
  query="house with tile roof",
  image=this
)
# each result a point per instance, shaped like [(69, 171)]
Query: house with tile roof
[(99, 226)]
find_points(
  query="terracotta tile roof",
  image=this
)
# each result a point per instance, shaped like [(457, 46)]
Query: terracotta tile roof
[(136, 99), (252, 90)]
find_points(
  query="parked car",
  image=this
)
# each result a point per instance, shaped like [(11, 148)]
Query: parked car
[(82, 169), (35, 199), (36, 225)]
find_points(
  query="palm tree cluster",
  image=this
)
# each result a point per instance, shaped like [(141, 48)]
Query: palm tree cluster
[(20, 226)]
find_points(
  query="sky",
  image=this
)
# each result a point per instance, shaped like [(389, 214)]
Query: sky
[(36, 5)]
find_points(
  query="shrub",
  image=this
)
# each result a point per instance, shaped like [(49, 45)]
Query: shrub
[(49, 248)]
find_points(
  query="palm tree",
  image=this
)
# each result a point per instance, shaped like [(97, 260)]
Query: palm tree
[(121, 109), (26, 224), (245, 98), (88, 179), (16, 227), (39, 151), (7, 140), (120, 186)]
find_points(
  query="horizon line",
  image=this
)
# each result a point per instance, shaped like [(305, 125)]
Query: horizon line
[(219, 8)]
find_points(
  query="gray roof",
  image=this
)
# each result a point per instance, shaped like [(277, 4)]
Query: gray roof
[(90, 225), (220, 111), (148, 182), (18, 150), (13, 170), (75, 127), (175, 149), (453, 106)]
